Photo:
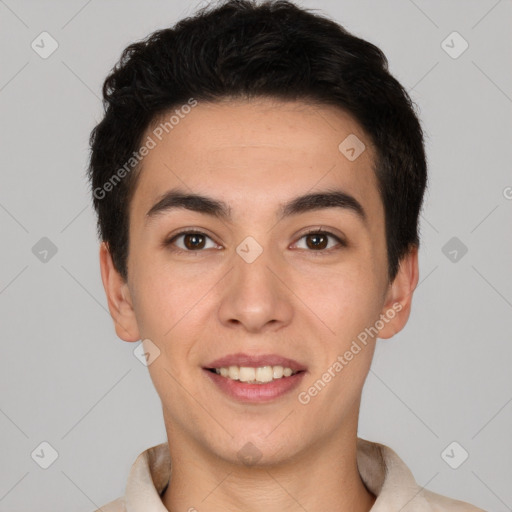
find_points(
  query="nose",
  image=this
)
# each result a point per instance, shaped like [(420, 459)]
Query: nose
[(256, 297)]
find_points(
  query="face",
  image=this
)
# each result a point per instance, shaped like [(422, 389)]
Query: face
[(258, 275)]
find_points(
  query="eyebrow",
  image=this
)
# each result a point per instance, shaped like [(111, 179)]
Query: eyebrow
[(178, 198)]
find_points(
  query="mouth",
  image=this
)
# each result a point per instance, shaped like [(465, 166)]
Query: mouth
[(254, 379), (255, 375)]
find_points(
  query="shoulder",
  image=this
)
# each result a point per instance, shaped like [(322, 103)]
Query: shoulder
[(440, 503), (118, 505)]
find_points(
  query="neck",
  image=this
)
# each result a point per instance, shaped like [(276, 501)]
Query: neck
[(322, 475)]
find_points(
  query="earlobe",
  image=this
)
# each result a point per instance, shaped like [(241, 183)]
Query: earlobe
[(118, 297), (397, 307)]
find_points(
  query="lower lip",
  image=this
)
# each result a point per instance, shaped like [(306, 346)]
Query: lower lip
[(256, 393)]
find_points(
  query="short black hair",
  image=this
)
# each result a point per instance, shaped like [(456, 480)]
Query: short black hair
[(242, 49)]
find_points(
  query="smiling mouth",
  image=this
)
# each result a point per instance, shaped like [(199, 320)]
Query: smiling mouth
[(255, 375)]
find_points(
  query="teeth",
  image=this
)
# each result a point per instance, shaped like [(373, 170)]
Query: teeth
[(264, 374), (233, 372), (258, 375), (246, 374), (278, 372)]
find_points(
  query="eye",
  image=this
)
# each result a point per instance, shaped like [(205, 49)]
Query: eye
[(318, 240), (192, 241)]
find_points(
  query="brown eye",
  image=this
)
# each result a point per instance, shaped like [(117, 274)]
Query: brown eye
[(190, 241), (318, 241), (193, 241)]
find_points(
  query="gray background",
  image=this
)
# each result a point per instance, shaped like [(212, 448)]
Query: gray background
[(66, 378)]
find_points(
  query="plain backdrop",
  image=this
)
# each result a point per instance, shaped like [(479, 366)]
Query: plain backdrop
[(68, 381)]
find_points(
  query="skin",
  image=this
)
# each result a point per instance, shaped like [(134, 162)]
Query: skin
[(293, 300)]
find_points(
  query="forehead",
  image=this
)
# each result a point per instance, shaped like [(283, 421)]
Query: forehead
[(255, 154)]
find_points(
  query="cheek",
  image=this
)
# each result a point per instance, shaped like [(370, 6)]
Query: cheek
[(350, 308), (160, 302), (345, 299), (171, 307)]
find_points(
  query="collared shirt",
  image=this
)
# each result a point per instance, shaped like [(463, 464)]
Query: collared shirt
[(381, 470)]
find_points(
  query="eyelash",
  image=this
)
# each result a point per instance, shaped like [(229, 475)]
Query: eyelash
[(342, 243)]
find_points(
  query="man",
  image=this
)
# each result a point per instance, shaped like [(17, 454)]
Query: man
[(258, 178)]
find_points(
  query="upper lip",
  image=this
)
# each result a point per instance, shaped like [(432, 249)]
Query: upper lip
[(255, 361)]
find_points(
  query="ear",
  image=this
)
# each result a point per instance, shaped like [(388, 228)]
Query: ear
[(397, 305), (118, 296)]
